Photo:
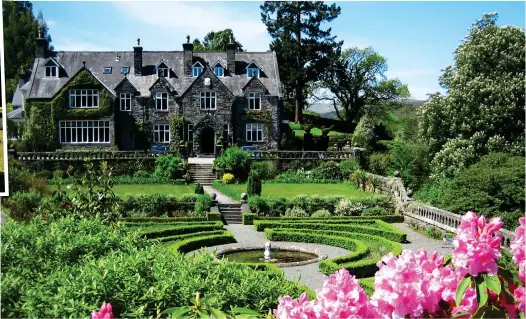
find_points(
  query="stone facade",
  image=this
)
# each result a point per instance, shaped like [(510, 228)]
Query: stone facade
[(203, 127)]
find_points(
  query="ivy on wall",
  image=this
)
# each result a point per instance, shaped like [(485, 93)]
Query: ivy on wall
[(263, 116), (176, 130), (42, 116), (143, 135)]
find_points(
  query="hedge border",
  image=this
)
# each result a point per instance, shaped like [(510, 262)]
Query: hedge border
[(384, 229), (393, 218), (213, 216), (181, 230), (175, 238), (367, 285), (248, 218), (194, 243), (162, 219)]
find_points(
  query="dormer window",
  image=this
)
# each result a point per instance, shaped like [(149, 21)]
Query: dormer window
[(197, 68), (51, 68), (219, 71), (52, 71), (163, 71), (107, 70), (125, 69), (253, 72)]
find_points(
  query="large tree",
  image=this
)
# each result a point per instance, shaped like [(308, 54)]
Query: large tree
[(483, 110), (355, 84), (217, 41), (303, 47)]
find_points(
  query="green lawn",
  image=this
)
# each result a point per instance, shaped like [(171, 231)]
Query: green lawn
[(124, 190), (291, 190)]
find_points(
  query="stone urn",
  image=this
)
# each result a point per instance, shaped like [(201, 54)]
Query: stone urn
[(214, 195), (244, 198), (409, 193), (396, 173)]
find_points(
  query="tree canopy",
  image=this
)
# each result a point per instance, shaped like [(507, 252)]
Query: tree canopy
[(483, 110), (302, 46), (217, 41), (355, 84)]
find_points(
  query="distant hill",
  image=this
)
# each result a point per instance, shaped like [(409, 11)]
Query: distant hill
[(327, 111)]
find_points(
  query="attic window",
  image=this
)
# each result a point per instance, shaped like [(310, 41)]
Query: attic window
[(219, 71), (125, 69), (253, 72), (107, 70), (197, 68), (162, 72), (51, 71)]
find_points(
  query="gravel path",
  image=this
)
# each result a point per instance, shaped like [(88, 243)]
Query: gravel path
[(220, 197), (310, 275)]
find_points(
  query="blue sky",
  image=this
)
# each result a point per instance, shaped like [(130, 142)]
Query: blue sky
[(417, 38)]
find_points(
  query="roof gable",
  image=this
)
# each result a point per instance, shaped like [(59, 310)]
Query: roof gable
[(162, 82), (252, 64), (125, 84), (207, 72), (254, 82), (79, 73)]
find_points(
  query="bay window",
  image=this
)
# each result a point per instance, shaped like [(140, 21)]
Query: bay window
[(84, 132)]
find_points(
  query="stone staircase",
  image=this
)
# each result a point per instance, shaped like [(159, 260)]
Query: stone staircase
[(231, 213), (201, 173)]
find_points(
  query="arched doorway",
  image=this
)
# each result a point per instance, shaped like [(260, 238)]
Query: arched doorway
[(207, 141)]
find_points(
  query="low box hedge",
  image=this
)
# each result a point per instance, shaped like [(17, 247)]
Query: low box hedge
[(190, 235), (367, 285), (392, 218), (213, 216), (161, 219), (248, 218), (194, 243), (180, 230), (374, 227)]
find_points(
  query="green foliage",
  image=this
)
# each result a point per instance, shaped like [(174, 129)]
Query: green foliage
[(176, 130), (265, 169), (303, 48), (391, 218), (168, 167), (254, 184), (379, 163), (217, 41), (363, 135), (295, 212), (157, 205), (327, 170), (213, 216), (248, 218), (374, 211), (411, 160), (485, 98), (21, 180), (493, 187), (275, 206), (23, 206), (348, 208), (58, 173), (203, 204), (233, 160), (228, 179), (117, 180), (359, 178), (226, 190), (87, 196), (348, 166), (44, 174), (199, 189), (179, 229), (146, 220), (300, 177), (321, 213)]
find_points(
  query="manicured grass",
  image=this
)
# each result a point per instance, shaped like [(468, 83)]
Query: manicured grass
[(291, 190), (125, 190)]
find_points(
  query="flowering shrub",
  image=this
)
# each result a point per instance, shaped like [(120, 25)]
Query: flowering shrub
[(105, 312), (228, 178), (348, 208), (471, 284)]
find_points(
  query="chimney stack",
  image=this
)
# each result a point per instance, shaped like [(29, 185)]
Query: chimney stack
[(41, 47), (188, 49), (231, 57), (137, 58)]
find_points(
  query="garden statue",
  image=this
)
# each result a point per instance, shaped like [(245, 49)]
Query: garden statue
[(267, 251), (347, 147), (244, 196)]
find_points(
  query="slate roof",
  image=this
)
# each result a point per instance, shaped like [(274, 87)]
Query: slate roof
[(46, 87), (16, 114), (18, 97)]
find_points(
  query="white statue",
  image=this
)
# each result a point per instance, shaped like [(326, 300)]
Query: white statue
[(267, 251)]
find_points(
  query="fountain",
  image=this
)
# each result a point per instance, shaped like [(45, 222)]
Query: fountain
[(267, 251)]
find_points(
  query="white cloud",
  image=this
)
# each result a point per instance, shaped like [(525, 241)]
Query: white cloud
[(355, 41), (420, 93), (199, 18), (73, 45), (402, 73)]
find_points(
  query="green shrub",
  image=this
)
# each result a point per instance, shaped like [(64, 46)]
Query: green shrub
[(374, 211), (254, 184), (322, 213), (233, 160), (363, 135), (248, 218), (21, 180), (392, 218), (228, 179), (300, 177), (203, 204), (142, 174), (179, 229), (327, 170), (265, 169), (367, 285), (172, 239), (157, 205), (295, 212), (194, 243), (58, 173), (44, 174), (411, 159), (23, 206), (199, 189), (359, 178), (168, 167), (348, 166), (142, 283), (347, 208), (379, 163), (213, 216), (160, 219)]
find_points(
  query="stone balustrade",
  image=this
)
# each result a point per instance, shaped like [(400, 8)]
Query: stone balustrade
[(82, 155), (308, 155)]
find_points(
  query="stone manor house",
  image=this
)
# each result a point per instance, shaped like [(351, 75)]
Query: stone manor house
[(108, 99)]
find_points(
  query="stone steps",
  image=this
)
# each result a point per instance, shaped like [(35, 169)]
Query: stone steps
[(201, 173), (231, 213)]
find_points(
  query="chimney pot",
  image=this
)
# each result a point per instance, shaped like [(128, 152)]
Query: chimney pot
[(137, 58), (188, 49)]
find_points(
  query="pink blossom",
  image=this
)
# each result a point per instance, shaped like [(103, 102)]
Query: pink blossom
[(477, 245), (105, 312), (468, 304), (521, 298), (518, 247)]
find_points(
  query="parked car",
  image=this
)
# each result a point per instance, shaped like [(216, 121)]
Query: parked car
[(251, 149), (159, 149)]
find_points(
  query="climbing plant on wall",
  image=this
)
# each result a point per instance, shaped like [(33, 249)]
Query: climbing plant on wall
[(263, 116), (176, 130), (42, 116), (143, 135)]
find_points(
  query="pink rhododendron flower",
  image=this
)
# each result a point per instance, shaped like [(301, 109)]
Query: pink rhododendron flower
[(476, 245), (518, 247), (521, 298), (105, 312), (468, 304)]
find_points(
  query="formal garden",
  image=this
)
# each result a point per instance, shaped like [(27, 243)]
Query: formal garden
[(137, 238)]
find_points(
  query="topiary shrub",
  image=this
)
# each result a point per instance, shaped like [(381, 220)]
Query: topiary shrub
[(321, 214), (168, 166), (228, 178), (374, 211), (327, 170), (295, 212), (254, 184), (363, 135), (348, 166), (348, 208), (199, 189)]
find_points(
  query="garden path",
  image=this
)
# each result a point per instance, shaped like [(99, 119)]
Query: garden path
[(310, 275), (220, 197)]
